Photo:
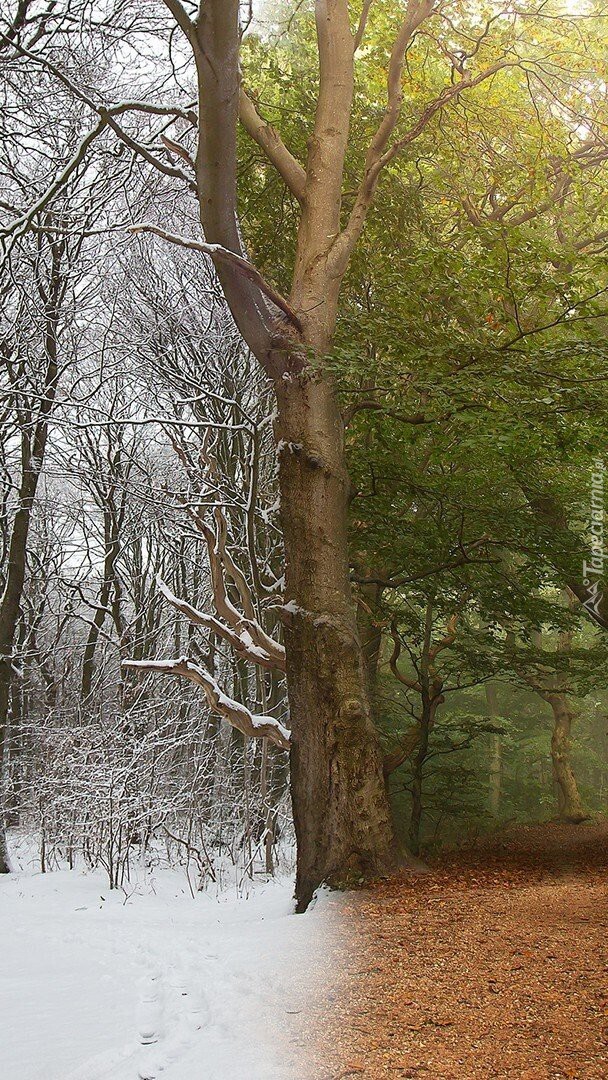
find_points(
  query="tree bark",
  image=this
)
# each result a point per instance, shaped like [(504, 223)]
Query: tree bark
[(4, 859), (10, 605), (570, 806), (429, 709), (495, 770), (110, 587), (417, 785), (33, 446), (370, 632), (341, 811)]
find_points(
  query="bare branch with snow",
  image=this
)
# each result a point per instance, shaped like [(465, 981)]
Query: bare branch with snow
[(238, 716)]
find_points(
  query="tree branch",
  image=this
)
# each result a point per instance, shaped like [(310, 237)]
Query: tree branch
[(241, 640), (360, 31), (378, 157), (238, 716), (412, 684), (268, 138), (221, 254)]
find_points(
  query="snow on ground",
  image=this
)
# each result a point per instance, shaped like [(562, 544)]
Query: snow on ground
[(95, 985)]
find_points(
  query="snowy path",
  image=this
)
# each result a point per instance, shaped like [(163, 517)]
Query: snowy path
[(96, 988)]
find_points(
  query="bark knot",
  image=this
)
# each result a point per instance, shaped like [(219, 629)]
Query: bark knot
[(352, 710)]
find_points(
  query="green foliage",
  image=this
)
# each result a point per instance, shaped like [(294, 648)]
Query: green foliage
[(457, 782), (471, 361)]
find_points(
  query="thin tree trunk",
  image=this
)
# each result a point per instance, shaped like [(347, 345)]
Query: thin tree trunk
[(9, 615), (495, 770), (417, 782), (432, 699), (109, 595), (4, 859), (495, 775), (33, 446)]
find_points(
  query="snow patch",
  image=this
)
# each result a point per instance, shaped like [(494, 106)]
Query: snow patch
[(294, 609), (293, 447), (98, 986)]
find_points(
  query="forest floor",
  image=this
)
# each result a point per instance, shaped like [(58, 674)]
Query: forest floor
[(154, 984), (494, 963)]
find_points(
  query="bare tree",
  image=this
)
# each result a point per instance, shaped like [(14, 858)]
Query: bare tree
[(35, 314)]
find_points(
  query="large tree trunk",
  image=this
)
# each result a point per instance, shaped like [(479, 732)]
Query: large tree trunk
[(570, 807), (341, 810)]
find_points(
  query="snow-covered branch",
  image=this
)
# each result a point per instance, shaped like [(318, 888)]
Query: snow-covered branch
[(224, 255), (244, 635), (254, 725)]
